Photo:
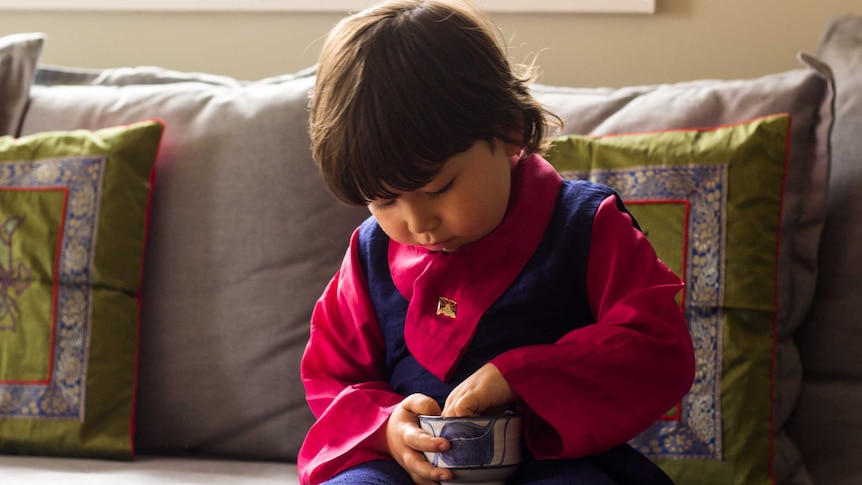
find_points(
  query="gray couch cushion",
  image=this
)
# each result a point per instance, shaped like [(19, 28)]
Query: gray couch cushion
[(19, 54), (806, 95), (828, 422), (17, 470), (243, 239)]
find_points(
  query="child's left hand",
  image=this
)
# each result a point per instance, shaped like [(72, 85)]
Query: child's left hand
[(486, 389)]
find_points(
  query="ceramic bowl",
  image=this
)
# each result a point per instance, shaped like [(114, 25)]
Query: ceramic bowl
[(483, 449)]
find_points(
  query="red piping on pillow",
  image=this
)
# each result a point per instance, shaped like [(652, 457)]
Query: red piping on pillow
[(138, 297)]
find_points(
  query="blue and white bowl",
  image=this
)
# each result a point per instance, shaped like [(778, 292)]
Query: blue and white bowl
[(484, 449)]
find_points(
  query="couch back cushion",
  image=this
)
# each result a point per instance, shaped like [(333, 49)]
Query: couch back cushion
[(19, 54), (243, 239), (828, 424)]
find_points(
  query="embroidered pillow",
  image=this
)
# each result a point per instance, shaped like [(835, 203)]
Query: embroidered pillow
[(73, 219), (710, 201)]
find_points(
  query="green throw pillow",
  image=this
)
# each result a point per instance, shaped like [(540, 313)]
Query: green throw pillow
[(73, 220), (710, 201)]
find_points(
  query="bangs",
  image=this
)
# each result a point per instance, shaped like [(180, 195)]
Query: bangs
[(370, 176)]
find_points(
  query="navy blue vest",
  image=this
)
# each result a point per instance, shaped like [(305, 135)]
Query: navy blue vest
[(546, 301)]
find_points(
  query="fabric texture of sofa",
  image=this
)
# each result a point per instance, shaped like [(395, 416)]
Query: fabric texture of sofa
[(166, 339)]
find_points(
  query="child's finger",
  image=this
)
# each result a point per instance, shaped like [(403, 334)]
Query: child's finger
[(463, 402), (419, 467), (420, 440), (421, 404)]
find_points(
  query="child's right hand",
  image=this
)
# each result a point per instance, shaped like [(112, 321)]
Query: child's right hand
[(406, 440)]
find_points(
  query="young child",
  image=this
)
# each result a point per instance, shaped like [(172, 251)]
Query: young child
[(482, 281)]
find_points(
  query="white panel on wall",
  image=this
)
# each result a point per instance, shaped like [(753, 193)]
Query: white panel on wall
[(613, 6)]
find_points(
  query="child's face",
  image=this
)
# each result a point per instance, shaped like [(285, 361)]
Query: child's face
[(463, 203)]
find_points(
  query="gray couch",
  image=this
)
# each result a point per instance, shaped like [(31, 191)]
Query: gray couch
[(243, 236)]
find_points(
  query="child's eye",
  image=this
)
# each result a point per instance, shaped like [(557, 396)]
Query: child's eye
[(382, 204), (442, 191)]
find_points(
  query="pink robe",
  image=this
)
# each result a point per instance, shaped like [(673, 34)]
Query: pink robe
[(595, 388)]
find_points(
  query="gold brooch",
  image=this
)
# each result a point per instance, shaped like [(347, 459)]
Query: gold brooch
[(446, 307)]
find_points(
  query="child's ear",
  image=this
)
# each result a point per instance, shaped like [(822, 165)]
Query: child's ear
[(513, 149)]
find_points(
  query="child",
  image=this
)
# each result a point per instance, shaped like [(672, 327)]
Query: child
[(482, 280)]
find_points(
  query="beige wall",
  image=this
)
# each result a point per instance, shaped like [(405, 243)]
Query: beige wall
[(684, 40)]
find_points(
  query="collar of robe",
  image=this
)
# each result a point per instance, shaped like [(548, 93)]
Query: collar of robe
[(449, 292)]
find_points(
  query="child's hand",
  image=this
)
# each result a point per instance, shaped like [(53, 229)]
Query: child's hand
[(406, 440), (483, 391)]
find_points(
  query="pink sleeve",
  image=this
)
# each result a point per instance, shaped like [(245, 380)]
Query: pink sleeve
[(342, 373), (602, 384)]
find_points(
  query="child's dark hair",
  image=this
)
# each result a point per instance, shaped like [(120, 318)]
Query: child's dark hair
[(404, 86)]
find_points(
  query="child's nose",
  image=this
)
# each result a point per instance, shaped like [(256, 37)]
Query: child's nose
[(420, 218)]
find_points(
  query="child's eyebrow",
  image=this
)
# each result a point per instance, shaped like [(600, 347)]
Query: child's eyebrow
[(383, 200)]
